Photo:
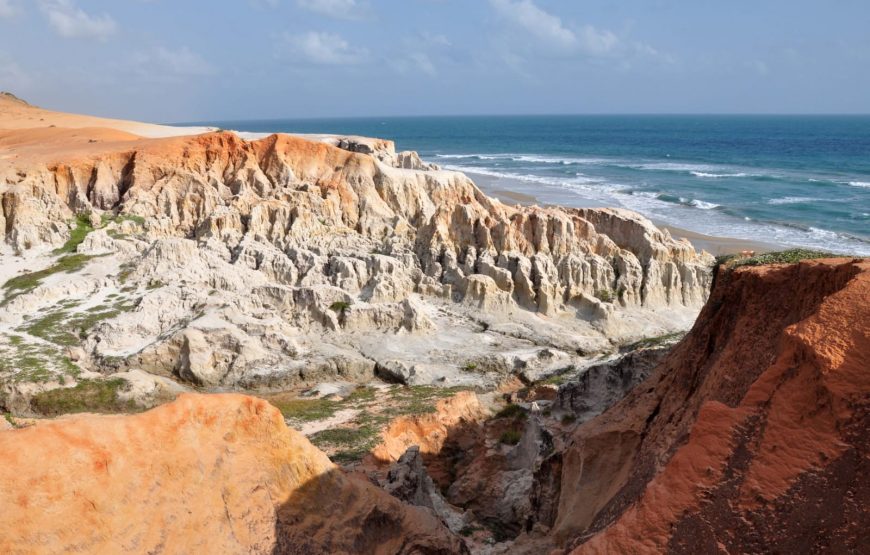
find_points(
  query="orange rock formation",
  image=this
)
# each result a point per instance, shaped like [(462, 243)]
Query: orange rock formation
[(204, 474), (750, 437)]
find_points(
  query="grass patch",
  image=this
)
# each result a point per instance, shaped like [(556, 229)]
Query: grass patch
[(790, 256), (350, 444), (26, 283), (68, 328), (86, 396), (307, 410), (27, 362), (569, 418), (419, 399), (9, 419), (77, 235), (511, 437), (657, 341)]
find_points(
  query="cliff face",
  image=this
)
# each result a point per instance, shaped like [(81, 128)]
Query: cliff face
[(269, 263), (204, 474), (751, 436)]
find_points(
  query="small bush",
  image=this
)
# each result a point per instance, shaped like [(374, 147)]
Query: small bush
[(511, 437), (339, 306), (605, 295), (471, 366), (569, 418), (512, 411)]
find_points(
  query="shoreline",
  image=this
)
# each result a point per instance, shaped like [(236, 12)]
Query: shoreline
[(713, 244)]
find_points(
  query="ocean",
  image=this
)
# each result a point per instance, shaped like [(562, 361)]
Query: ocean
[(789, 180)]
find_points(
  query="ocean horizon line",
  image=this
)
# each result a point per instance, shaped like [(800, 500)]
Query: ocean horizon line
[(527, 115)]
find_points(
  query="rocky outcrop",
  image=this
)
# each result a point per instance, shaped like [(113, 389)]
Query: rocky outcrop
[(601, 386), (751, 436), (409, 481), (228, 477)]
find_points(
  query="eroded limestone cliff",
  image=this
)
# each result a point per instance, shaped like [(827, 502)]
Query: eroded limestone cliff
[(265, 264)]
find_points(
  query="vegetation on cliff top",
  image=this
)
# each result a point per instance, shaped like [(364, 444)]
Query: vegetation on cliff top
[(351, 441), (790, 256)]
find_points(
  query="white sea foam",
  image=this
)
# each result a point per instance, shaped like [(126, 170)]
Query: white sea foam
[(675, 167), (717, 175), (794, 200), (863, 184), (533, 158), (703, 205), (531, 178)]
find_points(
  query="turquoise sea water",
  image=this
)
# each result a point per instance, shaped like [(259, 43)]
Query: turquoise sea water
[(791, 180)]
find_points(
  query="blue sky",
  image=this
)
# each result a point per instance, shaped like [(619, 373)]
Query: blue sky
[(186, 60)]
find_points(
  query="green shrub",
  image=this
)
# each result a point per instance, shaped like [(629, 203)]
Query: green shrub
[(339, 306), (511, 437), (512, 411), (605, 295)]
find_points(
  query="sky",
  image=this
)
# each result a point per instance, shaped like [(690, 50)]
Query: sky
[(200, 60)]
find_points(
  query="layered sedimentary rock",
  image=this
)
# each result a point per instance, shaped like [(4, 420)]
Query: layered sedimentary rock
[(750, 437), (203, 474), (283, 261)]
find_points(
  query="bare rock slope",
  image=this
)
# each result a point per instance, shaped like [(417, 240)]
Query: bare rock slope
[(228, 477)]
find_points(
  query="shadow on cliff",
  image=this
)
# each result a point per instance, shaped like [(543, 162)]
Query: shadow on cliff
[(340, 513)]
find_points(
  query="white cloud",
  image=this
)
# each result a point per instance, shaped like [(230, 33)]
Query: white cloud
[(167, 62), (8, 9), (598, 42), (527, 15), (320, 48), (339, 9), (71, 22)]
